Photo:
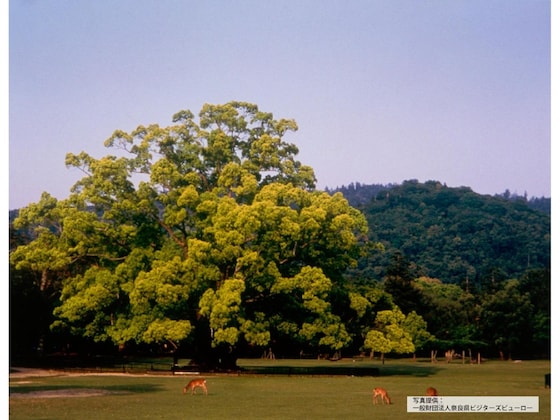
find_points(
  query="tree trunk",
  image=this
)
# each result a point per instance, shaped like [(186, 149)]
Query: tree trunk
[(206, 358), (221, 359)]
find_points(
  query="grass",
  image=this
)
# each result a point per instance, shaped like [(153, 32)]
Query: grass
[(265, 396)]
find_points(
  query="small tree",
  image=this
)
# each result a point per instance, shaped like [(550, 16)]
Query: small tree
[(417, 328), (389, 334)]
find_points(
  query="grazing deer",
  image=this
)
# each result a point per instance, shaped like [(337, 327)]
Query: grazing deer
[(196, 383), (431, 392), (383, 394)]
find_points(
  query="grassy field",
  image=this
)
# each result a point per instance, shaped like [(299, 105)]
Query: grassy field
[(262, 396)]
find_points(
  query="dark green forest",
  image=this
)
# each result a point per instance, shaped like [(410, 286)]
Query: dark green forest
[(454, 234), (226, 249)]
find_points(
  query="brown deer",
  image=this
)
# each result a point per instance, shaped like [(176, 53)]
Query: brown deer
[(431, 392), (196, 383), (383, 394)]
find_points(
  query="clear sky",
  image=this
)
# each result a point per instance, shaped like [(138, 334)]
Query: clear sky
[(382, 90)]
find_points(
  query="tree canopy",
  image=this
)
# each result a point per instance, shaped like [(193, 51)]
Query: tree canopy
[(208, 229)]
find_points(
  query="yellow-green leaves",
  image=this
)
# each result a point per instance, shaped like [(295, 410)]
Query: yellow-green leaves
[(202, 223), (189, 197), (359, 304), (161, 330), (256, 332), (311, 288), (377, 341), (327, 331), (417, 328), (87, 300), (311, 285), (42, 254), (237, 181), (162, 288), (223, 309), (389, 333)]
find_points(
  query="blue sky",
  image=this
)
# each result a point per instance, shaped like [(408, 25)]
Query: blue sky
[(383, 91)]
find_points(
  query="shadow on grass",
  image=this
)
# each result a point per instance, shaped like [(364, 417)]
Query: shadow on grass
[(385, 370), (409, 370)]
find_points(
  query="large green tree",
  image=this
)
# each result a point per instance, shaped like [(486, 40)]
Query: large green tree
[(450, 312), (206, 234), (507, 320)]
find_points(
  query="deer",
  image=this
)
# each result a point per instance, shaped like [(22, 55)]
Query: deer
[(196, 383), (383, 394), (431, 392)]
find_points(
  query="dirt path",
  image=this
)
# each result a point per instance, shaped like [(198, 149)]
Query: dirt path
[(63, 393), (21, 372)]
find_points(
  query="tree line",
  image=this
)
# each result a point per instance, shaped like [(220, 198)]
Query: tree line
[(208, 238)]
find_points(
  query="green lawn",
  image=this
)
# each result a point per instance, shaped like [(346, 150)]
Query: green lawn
[(279, 396)]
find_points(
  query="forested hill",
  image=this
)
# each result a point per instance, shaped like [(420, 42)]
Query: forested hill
[(452, 234), (359, 194)]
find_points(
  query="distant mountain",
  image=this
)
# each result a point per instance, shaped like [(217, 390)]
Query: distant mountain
[(358, 194), (453, 234)]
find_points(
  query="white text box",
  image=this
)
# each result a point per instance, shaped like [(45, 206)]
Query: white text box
[(472, 404)]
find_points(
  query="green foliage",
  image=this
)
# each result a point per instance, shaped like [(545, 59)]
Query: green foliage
[(449, 311), (199, 225), (209, 235), (455, 234), (391, 333), (359, 304), (417, 328), (161, 330), (222, 308), (257, 332), (506, 317)]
